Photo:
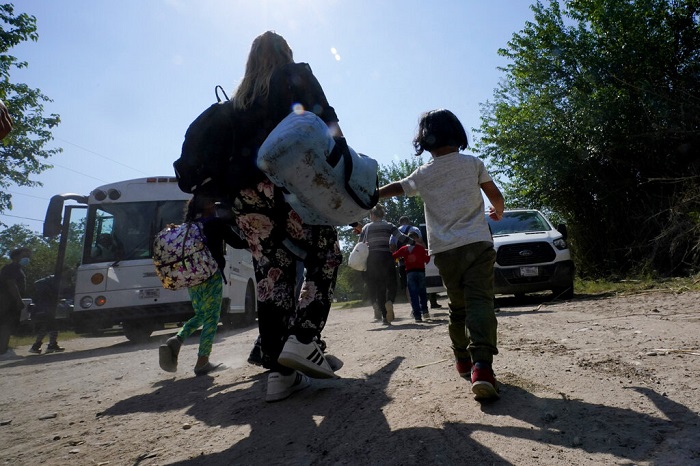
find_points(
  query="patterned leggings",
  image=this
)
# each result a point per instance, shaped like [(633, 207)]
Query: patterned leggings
[(206, 301), (278, 238)]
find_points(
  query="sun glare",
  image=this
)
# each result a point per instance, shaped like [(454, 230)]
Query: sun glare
[(335, 53)]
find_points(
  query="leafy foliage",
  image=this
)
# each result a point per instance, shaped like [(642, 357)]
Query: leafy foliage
[(396, 207), (44, 250), (22, 152), (597, 120)]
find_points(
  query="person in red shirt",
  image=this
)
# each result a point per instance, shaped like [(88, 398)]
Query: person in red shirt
[(415, 257)]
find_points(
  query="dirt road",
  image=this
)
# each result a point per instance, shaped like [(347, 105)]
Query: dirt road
[(595, 380)]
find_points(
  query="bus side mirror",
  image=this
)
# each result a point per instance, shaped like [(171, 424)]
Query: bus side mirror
[(53, 222)]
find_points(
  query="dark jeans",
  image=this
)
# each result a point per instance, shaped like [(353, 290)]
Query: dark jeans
[(467, 272), (381, 279), (402, 276), (415, 280), (45, 324)]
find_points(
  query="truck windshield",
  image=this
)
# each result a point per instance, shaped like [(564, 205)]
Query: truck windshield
[(125, 231), (518, 222)]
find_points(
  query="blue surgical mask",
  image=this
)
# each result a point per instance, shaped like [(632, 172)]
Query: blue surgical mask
[(24, 261)]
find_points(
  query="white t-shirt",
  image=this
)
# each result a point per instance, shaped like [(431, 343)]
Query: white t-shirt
[(450, 186)]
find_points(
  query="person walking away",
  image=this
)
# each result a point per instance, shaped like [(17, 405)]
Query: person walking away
[(274, 85), (207, 296), (13, 285), (460, 241), (381, 268), (404, 227), (48, 293), (415, 257)]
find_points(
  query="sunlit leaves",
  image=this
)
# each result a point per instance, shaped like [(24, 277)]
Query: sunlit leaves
[(599, 100)]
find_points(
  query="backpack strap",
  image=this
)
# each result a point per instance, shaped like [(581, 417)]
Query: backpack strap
[(216, 93), (184, 240), (341, 149)]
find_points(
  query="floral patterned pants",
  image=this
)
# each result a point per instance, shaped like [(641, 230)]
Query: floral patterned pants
[(277, 238)]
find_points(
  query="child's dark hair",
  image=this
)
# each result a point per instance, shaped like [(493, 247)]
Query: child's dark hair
[(439, 128)]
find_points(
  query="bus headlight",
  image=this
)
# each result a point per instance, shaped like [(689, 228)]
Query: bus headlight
[(86, 302), (97, 278), (100, 300)]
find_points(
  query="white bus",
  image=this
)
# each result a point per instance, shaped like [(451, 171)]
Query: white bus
[(115, 280)]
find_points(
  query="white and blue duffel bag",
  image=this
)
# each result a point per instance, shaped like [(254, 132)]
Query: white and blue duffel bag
[(326, 182)]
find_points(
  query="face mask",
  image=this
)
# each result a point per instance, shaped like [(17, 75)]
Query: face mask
[(24, 261)]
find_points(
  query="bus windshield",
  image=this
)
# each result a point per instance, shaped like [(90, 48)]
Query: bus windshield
[(125, 230)]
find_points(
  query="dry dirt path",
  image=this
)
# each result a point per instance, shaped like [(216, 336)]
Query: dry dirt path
[(596, 380)]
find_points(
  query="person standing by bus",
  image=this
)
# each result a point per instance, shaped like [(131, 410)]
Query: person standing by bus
[(48, 293), (13, 285), (207, 296)]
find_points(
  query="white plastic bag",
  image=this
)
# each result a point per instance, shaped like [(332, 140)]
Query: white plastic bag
[(358, 257)]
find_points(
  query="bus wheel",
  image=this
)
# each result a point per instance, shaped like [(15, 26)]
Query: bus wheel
[(137, 332), (227, 318), (247, 317)]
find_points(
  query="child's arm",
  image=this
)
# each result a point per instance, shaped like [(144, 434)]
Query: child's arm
[(497, 202), (399, 253), (391, 190)]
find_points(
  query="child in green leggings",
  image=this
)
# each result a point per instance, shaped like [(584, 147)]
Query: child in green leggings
[(207, 296)]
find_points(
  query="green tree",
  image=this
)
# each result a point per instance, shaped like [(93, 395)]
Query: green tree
[(22, 152), (44, 250), (597, 119), (43, 258), (396, 207)]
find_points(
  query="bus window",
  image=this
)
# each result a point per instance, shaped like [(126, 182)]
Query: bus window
[(125, 230)]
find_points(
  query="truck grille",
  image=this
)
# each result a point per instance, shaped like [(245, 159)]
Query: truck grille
[(525, 253)]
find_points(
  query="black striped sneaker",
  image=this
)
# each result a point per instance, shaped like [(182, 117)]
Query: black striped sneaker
[(306, 358)]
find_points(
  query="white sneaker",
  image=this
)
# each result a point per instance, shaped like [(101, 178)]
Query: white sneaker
[(281, 386), (389, 311), (307, 358)]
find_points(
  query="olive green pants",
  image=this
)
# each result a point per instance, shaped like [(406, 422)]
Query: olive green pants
[(467, 272)]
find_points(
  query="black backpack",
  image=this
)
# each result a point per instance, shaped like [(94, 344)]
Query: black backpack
[(208, 149)]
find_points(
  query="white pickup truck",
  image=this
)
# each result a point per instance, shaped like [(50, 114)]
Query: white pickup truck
[(531, 255)]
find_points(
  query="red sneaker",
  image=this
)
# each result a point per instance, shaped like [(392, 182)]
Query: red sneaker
[(464, 367), (484, 384)]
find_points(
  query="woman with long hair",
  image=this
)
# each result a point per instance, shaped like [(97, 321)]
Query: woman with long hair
[(272, 87)]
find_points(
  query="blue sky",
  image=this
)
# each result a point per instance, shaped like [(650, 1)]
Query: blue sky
[(127, 77)]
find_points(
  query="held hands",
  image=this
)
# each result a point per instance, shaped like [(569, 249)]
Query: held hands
[(495, 215)]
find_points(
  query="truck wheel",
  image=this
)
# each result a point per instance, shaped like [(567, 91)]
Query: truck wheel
[(247, 317), (566, 292), (137, 332)]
